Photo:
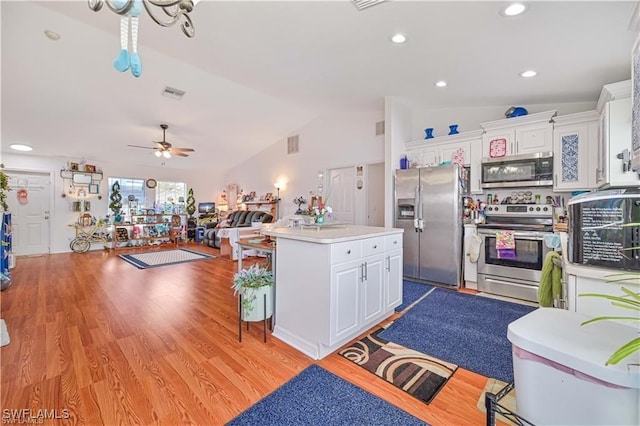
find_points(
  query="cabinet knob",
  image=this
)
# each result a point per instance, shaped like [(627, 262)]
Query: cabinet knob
[(348, 251), (375, 246)]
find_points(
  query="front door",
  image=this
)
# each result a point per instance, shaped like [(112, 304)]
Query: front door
[(28, 202), (341, 193)]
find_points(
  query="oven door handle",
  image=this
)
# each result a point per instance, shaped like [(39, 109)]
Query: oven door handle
[(534, 236)]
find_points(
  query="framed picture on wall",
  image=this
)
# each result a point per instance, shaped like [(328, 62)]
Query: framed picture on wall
[(74, 167), (94, 188), (89, 168)]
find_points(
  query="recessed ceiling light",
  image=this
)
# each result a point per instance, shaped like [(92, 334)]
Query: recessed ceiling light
[(514, 9), (20, 147), (398, 38), (52, 35), (528, 74), (441, 83)]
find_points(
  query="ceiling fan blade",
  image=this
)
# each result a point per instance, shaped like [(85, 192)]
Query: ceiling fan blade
[(179, 154), (184, 149), (144, 147)]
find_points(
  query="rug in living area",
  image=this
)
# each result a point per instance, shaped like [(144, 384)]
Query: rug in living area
[(464, 329), (420, 375), (412, 292), (317, 397), (163, 258)]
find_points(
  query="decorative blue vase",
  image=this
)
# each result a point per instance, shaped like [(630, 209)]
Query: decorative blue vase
[(429, 133), (453, 129), (320, 219)]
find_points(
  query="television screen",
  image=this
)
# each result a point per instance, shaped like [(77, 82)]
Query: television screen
[(206, 207)]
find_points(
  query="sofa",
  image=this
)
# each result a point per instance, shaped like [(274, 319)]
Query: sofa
[(236, 219)]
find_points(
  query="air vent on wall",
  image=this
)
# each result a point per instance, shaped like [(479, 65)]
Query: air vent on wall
[(173, 93), (292, 145), (380, 128), (363, 4)]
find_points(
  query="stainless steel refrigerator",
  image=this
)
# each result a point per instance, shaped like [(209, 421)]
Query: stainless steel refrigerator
[(428, 206)]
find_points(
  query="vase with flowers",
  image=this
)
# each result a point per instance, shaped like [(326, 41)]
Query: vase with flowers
[(300, 201), (321, 211)]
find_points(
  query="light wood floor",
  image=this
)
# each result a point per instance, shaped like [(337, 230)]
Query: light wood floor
[(114, 344)]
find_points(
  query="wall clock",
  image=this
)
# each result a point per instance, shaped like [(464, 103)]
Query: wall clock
[(151, 183)]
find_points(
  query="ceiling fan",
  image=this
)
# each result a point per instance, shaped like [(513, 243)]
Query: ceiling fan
[(164, 148)]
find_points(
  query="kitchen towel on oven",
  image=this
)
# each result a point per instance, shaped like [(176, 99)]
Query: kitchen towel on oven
[(505, 244)]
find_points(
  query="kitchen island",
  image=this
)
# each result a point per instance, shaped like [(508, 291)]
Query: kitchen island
[(333, 283)]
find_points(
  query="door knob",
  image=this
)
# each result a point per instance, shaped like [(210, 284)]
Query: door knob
[(46, 217)]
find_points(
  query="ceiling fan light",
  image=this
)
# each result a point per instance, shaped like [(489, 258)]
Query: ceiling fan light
[(157, 154), (166, 154)]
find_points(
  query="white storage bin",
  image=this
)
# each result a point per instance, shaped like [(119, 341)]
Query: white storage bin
[(560, 373)]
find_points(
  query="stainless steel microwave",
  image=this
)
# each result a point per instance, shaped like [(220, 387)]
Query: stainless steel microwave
[(604, 229), (518, 171)]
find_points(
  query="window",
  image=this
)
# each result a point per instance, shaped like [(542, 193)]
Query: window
[(169, 196), (129, 186)]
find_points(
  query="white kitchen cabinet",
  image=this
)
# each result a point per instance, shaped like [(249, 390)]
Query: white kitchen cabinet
[(597, 306), (393, 271), (526, 134), (333, 284), (345, 316), (575, 146), (372, 288), (432, 152), (614, 142)]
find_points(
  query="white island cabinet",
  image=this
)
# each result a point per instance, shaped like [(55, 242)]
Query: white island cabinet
[(334, 283)]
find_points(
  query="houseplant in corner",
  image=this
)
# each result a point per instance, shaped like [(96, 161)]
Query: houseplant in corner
[(253, 285)]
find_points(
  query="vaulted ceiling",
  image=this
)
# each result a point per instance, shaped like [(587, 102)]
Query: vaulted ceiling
[(258, 70)]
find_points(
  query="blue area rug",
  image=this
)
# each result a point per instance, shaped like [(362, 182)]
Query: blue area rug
[(412, 291), (467, 330), (163, 258), (318, 397)]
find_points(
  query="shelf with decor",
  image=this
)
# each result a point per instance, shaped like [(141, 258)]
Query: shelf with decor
[(270, 206), (148, 229), (81, 178)]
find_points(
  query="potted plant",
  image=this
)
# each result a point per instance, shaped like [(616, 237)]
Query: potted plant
[(116, 201), (191, 203), (4, 187), (253, 285), (629, 301)]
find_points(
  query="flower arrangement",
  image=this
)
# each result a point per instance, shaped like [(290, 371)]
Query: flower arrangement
[(299, 201), (248, 282), (320, 211)]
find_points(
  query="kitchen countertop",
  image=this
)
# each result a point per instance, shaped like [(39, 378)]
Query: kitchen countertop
[(330, 235)]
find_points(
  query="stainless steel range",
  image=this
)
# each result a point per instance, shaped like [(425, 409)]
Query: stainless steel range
[(517, 275)]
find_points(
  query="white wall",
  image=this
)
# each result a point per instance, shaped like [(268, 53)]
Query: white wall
[(330, 141), (204, 184)]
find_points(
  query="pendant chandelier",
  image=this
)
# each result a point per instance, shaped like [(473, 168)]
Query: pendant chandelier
[(173, 11)]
